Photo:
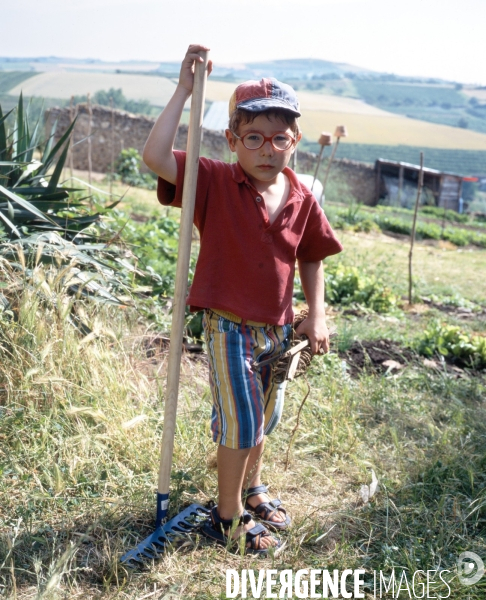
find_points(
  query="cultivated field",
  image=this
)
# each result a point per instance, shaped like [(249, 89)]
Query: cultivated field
[(366, 124), (391, 130), (64, 84)]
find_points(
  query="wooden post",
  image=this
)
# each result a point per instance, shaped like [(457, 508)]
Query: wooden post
[(319, 158), (414, 224), (377, 182), (329, 165), (112, 144), (443, 222), (400, 184), (325, 139), (339, 132), (71, 117), (90, 113)]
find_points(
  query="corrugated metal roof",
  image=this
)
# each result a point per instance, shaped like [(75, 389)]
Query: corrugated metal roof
[(217, 117), (393, 163)]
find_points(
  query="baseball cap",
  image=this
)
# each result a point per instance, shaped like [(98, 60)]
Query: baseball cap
[(257, 96)]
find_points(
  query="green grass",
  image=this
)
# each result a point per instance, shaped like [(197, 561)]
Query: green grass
[(439, 268), (81, 420)]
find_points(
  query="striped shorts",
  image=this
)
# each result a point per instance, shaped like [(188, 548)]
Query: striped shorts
[(247, 404)]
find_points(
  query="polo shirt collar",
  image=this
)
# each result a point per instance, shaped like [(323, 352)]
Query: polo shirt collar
[(296, 193), (238, 174)]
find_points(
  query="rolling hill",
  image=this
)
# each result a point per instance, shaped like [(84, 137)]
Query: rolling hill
[(381, 111)]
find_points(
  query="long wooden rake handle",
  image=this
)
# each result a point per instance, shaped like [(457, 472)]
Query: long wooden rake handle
[(178, 309)]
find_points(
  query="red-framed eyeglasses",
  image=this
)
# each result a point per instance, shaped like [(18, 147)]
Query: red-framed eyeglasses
[(253, 140)]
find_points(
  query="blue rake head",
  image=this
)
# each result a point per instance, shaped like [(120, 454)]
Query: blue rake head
[(171, 534)]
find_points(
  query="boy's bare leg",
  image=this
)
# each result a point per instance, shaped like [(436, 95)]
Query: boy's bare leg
[(252, 479), (232, 465)]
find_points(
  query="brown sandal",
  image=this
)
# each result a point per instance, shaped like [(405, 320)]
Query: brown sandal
[(265, 511), (215, 528)]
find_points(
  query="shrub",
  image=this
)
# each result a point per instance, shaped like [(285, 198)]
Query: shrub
[(127, 169), (119, 100), (456, 300)]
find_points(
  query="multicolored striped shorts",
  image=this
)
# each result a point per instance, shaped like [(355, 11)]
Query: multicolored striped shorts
[(247, 403)]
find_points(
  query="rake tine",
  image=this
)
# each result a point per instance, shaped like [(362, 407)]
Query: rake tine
[(165, 536)]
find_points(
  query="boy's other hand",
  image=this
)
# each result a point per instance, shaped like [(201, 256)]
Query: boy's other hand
[(315, 328), (186, 76)]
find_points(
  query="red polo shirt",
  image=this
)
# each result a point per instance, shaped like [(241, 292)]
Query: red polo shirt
[(246, 265)]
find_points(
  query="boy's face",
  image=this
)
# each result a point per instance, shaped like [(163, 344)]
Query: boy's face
[(264, 164)]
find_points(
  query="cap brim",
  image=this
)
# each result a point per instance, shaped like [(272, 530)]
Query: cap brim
[(261, 104)]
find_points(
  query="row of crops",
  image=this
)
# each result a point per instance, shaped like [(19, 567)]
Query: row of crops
[(463, 162)]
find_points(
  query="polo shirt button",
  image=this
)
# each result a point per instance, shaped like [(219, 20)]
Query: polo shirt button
[(258, 198)]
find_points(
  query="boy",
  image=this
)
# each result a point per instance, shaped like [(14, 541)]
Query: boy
[(255, 220)]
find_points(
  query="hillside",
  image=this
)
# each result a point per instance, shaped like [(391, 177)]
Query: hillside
[(386, 115)]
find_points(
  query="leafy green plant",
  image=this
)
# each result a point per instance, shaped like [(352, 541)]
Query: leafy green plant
[(348, 285), (450, 341), (127, 169), (154, 242), (454, 300)]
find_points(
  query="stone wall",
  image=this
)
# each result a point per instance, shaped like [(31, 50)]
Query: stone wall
[(128, 131), (111, 132)]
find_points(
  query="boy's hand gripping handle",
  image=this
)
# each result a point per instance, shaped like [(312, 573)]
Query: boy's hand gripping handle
[(178, 309)]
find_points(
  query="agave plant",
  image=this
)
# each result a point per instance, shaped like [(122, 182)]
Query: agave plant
[(31, 196), (47, 222)]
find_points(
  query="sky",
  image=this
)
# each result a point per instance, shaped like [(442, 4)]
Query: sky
[(426, 38)]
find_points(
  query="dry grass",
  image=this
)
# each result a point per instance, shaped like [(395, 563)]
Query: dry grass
[(64, 84), (391, 130)]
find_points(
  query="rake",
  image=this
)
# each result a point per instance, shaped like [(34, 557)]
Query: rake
[(170, 533)]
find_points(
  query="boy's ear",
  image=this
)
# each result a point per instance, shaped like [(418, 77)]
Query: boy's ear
[(231, 139), (297, 140)]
